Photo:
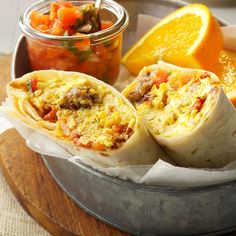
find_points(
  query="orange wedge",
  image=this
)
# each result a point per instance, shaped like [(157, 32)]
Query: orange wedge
[(189, 37), (225, 69)]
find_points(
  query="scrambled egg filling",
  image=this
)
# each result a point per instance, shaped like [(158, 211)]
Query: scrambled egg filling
[(178, 105), (85, 113)]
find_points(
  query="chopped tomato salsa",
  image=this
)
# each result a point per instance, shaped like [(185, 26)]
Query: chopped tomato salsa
[(100, 60), (66, 17)]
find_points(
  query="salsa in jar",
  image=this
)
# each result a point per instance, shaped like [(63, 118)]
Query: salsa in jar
[(75, 36)]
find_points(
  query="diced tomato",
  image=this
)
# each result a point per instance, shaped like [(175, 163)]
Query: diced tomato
[(160, 77), (106, 24), (51, 115), (205, 75), (100, 146), (83, 44), (129, 130), (76, 137), (31, 84), (199, 103), (55, 6), (119, 128), (38, 18), (34, 82), (67, 15), (118, 142)]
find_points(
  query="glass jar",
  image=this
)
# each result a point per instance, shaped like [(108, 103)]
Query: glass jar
[(101, 58)]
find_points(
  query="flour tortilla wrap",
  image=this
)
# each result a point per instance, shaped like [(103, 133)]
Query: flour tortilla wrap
[(84, 115), (187, 113)]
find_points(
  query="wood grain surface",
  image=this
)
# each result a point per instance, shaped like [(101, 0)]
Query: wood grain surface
[(34, 187)]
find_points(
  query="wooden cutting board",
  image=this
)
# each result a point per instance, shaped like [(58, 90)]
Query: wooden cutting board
[(34, 187), (40, 195)]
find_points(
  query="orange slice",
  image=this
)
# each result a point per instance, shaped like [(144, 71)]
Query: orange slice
[(188, 37), (225, 69)]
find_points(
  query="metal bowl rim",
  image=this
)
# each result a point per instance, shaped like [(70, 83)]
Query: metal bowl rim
[(152, 188)]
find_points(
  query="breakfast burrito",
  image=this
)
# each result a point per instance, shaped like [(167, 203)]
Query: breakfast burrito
[(187, 112), (84, 115)]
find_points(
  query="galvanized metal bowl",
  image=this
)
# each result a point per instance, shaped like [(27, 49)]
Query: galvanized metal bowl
[(138, 209)]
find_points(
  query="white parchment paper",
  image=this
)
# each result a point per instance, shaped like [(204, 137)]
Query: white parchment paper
[(161, 173)]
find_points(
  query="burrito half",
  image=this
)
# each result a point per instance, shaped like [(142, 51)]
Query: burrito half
[(187, 112)]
